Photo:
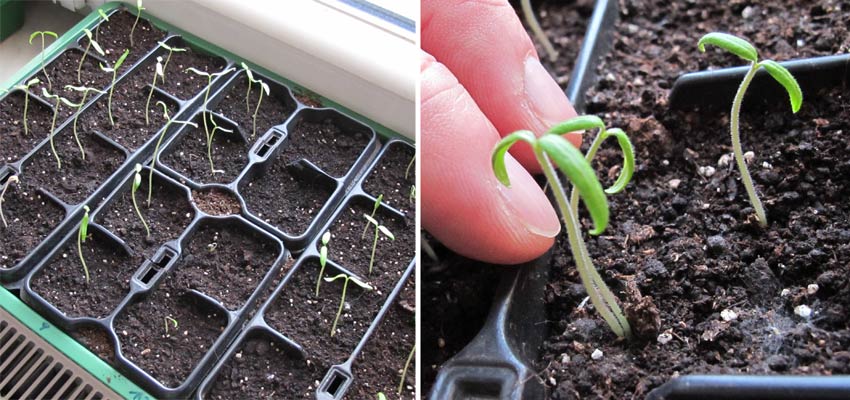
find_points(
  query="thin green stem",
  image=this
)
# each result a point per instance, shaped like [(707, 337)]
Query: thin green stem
[(341, 304), (52, 127), (76, 117), (26, 107), (531, 19), (150, 94), (600, 295), (139, 212), (209, 150), (404, 371), (12, 179), (80, 65), (165, 65), (204, 113), (257, 110), (374, 246), (80, 252), (133, 29), (43, 69), (109, 100), (248, 93), (155, 155), (736, 145)]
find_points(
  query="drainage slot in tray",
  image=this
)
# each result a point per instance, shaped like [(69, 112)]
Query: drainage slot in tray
[(152, 268), (336, 383), (267, 145)]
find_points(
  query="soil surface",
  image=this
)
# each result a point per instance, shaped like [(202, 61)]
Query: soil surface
[(187, 154), (307, 98), (216, 201), (332, 148), (379, 367), (265, 367), (14, 143), (307, 319), (286, 196), (394, 177), (274, 108), (113, 36), (62, 282), (169, 354), (98, 341), (167, 216), (77, 179), (683, 250), (225, 262), (30, 217), (350, 248), (178, 82)]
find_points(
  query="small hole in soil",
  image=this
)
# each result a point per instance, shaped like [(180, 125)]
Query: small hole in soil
[(265, 147), (216, 202), (336, 383)]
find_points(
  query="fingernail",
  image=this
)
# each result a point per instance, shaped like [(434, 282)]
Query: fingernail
[(548, 101), (525, 201)]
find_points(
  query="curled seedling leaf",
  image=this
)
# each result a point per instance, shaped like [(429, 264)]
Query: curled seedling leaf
[(323, 258), (137, 182), (82, 234), (42, 34), (9, 182)]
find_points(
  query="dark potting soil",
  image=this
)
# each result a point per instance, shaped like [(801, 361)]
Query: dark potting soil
[(687, 242), (458, 293), (332, 148), (266, 368), (216, 201), (225, 262), (14, 143), (274, 109), (62, 282), (167, 216), (307, 319), (285, 197), (169, 356), (307, 98), (565, 23), (77, 178), (350, 248), (379, 367), (98, 341), (178, 82), (129, 98), (394, 177), (30, 217), (113, 36), (63, 71), (188, 156)]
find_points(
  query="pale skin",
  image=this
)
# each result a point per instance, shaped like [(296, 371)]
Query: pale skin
[(480, 80)]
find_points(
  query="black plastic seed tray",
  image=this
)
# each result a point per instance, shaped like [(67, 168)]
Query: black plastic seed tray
[(498, 362)]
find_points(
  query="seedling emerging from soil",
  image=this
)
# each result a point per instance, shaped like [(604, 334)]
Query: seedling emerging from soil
[(404, 371), (85, 91), (104, 17), (409, 165), (114, 71), (12, 179), (207, 91), (158, 71), (323, 259), (168, 122), (264, 88), (97, 48), (81, 238), (742, 48), (347, 279), (378, 228), (382, 396), (578, 170), (139, 9), (374, 210), (250, 76), (168, 58), (42, 34), (531, 19), (412, 195), (172, 322), (26, 90), (59, 101), (210, 142), (137, 181)]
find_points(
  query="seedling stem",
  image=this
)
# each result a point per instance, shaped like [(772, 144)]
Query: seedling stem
[(12, 179), (86, 53), (531, 19), (42, 34), (404, 371), (85, 91), (139, 9), (210, 142), (53, 124), (378, 229), (81, 238), (26, 89), (168, 58), (374, 210), (207, 92), (114, 71), (137, 181), (342, 299), (323, 259), (168, 122), (158, 71), (173, 323)]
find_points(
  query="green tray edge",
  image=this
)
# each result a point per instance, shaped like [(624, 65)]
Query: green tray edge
[(90, 20), (71, 348)]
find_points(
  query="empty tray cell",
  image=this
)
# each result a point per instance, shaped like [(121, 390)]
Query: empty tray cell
[(264, 367), (14, 142), (394, 177), (226, 261), (77, 178), (328, 139), (274, 110), (352, 238), (148, 336), (168, 214), (114, 37), (189, 155), (30, 217), (287, 196), (62, 281), (307, 319)]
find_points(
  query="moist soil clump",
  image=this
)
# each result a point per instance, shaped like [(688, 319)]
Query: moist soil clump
[(687, 241), (216, 202)]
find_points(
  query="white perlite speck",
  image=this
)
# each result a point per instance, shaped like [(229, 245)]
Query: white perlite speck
[(728, 315), (707, 171), (803, 311), (724, 160), (596, 355), (665, 337), (812, 289)]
